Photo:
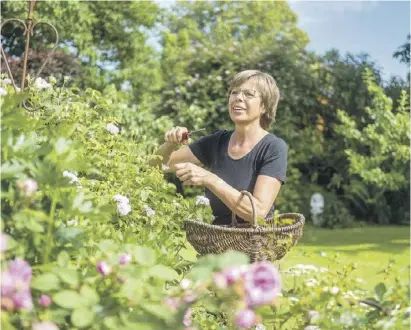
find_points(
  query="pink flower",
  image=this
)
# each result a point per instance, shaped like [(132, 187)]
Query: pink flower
[(262, 284), (103, 268), (15, 285), (187, 317), (220, 281), (23, 300), (125, 259), (45, 300), (234, 273), (21, 269), (189, 297), (45, 326), (245, 318), (173, 303), (28, 186)]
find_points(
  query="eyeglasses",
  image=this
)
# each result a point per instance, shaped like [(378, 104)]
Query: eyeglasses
[(248, 93)]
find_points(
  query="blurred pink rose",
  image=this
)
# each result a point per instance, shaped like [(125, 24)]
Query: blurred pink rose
[(125, 259), (7, 284), (45, 300), (45, 326), (15, 285), (29, 187), (220, 280), (235, 273), (262, 284), (190, 296), (21, 269), (23, 300), (173, 303), (103, 268), (187, 317), (245, 318)]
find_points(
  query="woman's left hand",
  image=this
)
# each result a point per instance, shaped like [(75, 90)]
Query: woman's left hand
[(191, 174)]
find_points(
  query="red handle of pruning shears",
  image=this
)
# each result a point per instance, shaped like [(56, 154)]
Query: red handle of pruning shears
[(187, 134)]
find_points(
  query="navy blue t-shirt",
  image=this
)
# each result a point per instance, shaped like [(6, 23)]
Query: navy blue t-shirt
[(268, 157)]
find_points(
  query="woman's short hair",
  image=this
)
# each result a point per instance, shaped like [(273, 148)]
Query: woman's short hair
[(266, 86)]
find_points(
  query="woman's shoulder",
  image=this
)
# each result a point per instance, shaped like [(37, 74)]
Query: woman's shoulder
[(276, 142), (220, 134)]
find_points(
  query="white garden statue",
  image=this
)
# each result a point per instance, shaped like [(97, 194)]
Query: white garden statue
[(317, 209)]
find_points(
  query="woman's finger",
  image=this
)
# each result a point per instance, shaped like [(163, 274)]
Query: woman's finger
[(182, 172), (185, 177)]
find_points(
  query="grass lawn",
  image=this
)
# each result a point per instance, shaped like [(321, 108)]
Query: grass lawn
[(370, 247)]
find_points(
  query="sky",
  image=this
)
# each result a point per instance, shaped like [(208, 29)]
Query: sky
[(374, 27)]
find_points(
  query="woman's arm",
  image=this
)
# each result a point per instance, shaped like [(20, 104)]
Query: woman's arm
[(265, 191)]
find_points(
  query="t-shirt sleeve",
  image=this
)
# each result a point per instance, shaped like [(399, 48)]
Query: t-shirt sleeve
[(204, 148), (274, 163)]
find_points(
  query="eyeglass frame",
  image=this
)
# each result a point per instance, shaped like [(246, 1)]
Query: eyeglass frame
[(242, 91)]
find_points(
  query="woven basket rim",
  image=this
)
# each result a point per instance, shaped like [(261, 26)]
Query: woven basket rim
[(300, 221)]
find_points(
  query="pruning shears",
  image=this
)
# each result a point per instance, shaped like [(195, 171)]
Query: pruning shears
[(186, 135)]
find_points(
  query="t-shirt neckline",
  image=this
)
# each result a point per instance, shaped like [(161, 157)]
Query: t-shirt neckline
[(237, 159)]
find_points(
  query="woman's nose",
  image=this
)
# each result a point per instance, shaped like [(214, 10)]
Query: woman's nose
[(240, 96)]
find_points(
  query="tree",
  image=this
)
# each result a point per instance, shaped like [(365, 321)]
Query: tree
[(110, 39), (378, 151), (403, 52)]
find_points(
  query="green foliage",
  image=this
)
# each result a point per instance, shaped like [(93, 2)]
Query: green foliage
[(379, 150), (111, 44), (65, 222)]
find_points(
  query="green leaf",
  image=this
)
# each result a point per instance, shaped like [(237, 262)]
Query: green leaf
[(144, 256), (107, 246), (380, 290), (90, 295), (163, 272), (68, 276), (69, 235), (63, 259), (188, 254), (68, 299), (10, 170), (34, 226), (232, 258), (82, 317), (112, 322), (159, 311), (45, 282)]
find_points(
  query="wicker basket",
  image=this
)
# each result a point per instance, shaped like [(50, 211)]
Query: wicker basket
[(270, 242)]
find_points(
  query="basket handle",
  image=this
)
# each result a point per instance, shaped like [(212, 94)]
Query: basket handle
[(233, 216)]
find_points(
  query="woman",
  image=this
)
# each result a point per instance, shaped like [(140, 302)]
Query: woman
[(248, 158)]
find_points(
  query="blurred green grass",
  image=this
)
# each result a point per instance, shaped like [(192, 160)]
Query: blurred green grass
[(371, 248)]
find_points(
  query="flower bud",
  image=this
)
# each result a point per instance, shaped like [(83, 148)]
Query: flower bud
[(245, 318), (44, 300), (28, 186), (103, 268), (125, 259)]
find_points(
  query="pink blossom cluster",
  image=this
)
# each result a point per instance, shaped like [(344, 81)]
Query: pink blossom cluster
[(261, 283), (104, 268), (15, 286)]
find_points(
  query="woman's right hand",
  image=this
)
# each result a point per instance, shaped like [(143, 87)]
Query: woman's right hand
[(177, 136)]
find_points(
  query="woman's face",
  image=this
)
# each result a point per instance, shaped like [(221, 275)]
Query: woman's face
[(244, 104)]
